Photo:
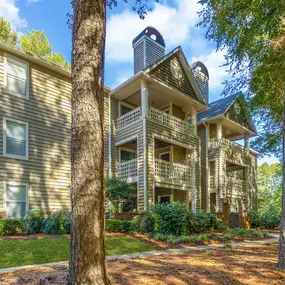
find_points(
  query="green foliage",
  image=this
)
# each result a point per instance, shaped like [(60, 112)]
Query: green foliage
[(201, 222), (33, 221), (195, 239), (118, 191), (248, 233), (264, 220), (228, 245), (252, 35), (270, 188), (35, 43), (58, 59), (166, 219), (57, 223), (120, 226), (7, 34), (10, 227)]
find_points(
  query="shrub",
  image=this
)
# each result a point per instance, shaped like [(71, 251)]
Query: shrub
[(119, 226), (200, 222), (248, 233), (58, 222), (10, 226), (33, 221), (264, 220), (197, 239), (166, 219)]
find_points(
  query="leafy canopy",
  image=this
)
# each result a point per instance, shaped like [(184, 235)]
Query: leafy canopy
[(7, 34), (247, 31)]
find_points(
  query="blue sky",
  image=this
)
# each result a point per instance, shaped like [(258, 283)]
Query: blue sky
[(175, 19)]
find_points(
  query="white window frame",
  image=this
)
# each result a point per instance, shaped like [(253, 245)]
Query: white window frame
[(5, 183), (166, 195), (5, 154), (166, 152), (27, 96), (126, 149), (121, 103)]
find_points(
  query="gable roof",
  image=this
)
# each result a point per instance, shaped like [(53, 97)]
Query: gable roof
[(189, 87), (217, 108), (220, 107)]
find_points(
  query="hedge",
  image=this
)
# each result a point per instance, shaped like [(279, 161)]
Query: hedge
[(10, 227), (119, 226)]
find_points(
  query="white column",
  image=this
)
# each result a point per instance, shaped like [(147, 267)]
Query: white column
[(194, 194), (246, 177), (207, 127), (194, 119), (144, 98), (144, 106), (220, 161)]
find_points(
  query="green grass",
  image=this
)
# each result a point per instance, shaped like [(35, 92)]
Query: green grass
[(27, 252)]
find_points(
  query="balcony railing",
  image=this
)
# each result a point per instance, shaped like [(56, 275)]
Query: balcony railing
[(128, 118), (213, 143), (128, 170), (170, 121), (178, 173), (235, 186), (213, 186)]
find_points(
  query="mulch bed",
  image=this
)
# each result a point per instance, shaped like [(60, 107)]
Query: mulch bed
[(254, 265)]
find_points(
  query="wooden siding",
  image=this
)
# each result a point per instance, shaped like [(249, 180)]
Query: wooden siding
[(163, 73), (48, 113)]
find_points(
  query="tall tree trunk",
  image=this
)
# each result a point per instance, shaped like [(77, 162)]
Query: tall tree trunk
[(281, 254), (87, 249)]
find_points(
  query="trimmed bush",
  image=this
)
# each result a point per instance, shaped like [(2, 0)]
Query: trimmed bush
[(248, 233), (120, 226), (10, 227), (57, 223), (166, 219), (33, 221), (264, 220), (200, 222)]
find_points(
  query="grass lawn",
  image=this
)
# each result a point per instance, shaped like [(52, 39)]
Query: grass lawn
[(26, 252)]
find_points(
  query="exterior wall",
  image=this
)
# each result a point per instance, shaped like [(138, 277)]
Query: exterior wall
[(48, 113)]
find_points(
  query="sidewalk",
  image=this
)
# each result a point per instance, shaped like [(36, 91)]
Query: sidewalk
[(185, 249)]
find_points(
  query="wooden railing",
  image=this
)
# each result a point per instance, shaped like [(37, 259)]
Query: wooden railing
[(179, 173), (213, 143), (235, 186), (128, 118), (170, 121), (128, 170), (213, 186)]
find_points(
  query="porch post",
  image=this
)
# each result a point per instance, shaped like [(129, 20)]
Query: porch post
[(194, 119), (144, 106), (193, 168), (220, 174), (246, 176), (144, 98)]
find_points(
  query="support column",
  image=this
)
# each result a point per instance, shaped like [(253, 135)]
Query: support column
[(246, 142), (194, 192), (194, 119), (144, 106), (246, 177), (220, 174), (207, 170)]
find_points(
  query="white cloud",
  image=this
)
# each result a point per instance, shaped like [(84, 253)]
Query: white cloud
[(268, 159), (174, 23), (214, 61), (10, 12)]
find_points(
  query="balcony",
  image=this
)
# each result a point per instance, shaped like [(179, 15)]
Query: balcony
[(213, 143), (235, 187), (172, 173), (128, 170), (158, 117)]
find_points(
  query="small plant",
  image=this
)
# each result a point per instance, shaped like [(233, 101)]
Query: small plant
[(228, 245), (33, 221), (200, 222), (10, 227), (57, 223), (248, 233)]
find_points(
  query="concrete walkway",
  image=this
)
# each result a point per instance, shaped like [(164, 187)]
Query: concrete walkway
[(185, 249)]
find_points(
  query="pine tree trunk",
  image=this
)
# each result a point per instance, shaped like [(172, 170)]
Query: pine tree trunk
[(87, 250), (281, 254)]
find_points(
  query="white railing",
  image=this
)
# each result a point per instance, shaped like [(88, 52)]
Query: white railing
[(128, 170), (235, 186), (225, 142), (172, 171), (170, 121), (129, 118), (213, 186)]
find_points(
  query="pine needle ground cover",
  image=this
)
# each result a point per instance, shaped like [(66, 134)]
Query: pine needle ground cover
[(254, 265), (46, 250)]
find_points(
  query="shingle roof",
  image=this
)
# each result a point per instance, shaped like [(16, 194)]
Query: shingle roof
[(217, 108)]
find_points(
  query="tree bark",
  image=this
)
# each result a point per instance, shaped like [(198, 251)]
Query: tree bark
[(87, 249), (281, 253)]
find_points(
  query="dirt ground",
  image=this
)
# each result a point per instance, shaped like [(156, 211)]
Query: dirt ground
[(255, 265)]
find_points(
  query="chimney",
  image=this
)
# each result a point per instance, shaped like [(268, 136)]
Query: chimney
[(201, 74), (148, 47)]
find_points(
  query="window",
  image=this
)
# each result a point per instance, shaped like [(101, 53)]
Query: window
[(16, 199), (165, 198), (15, 137), (165, 156), (16, 76), (127, 155)]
